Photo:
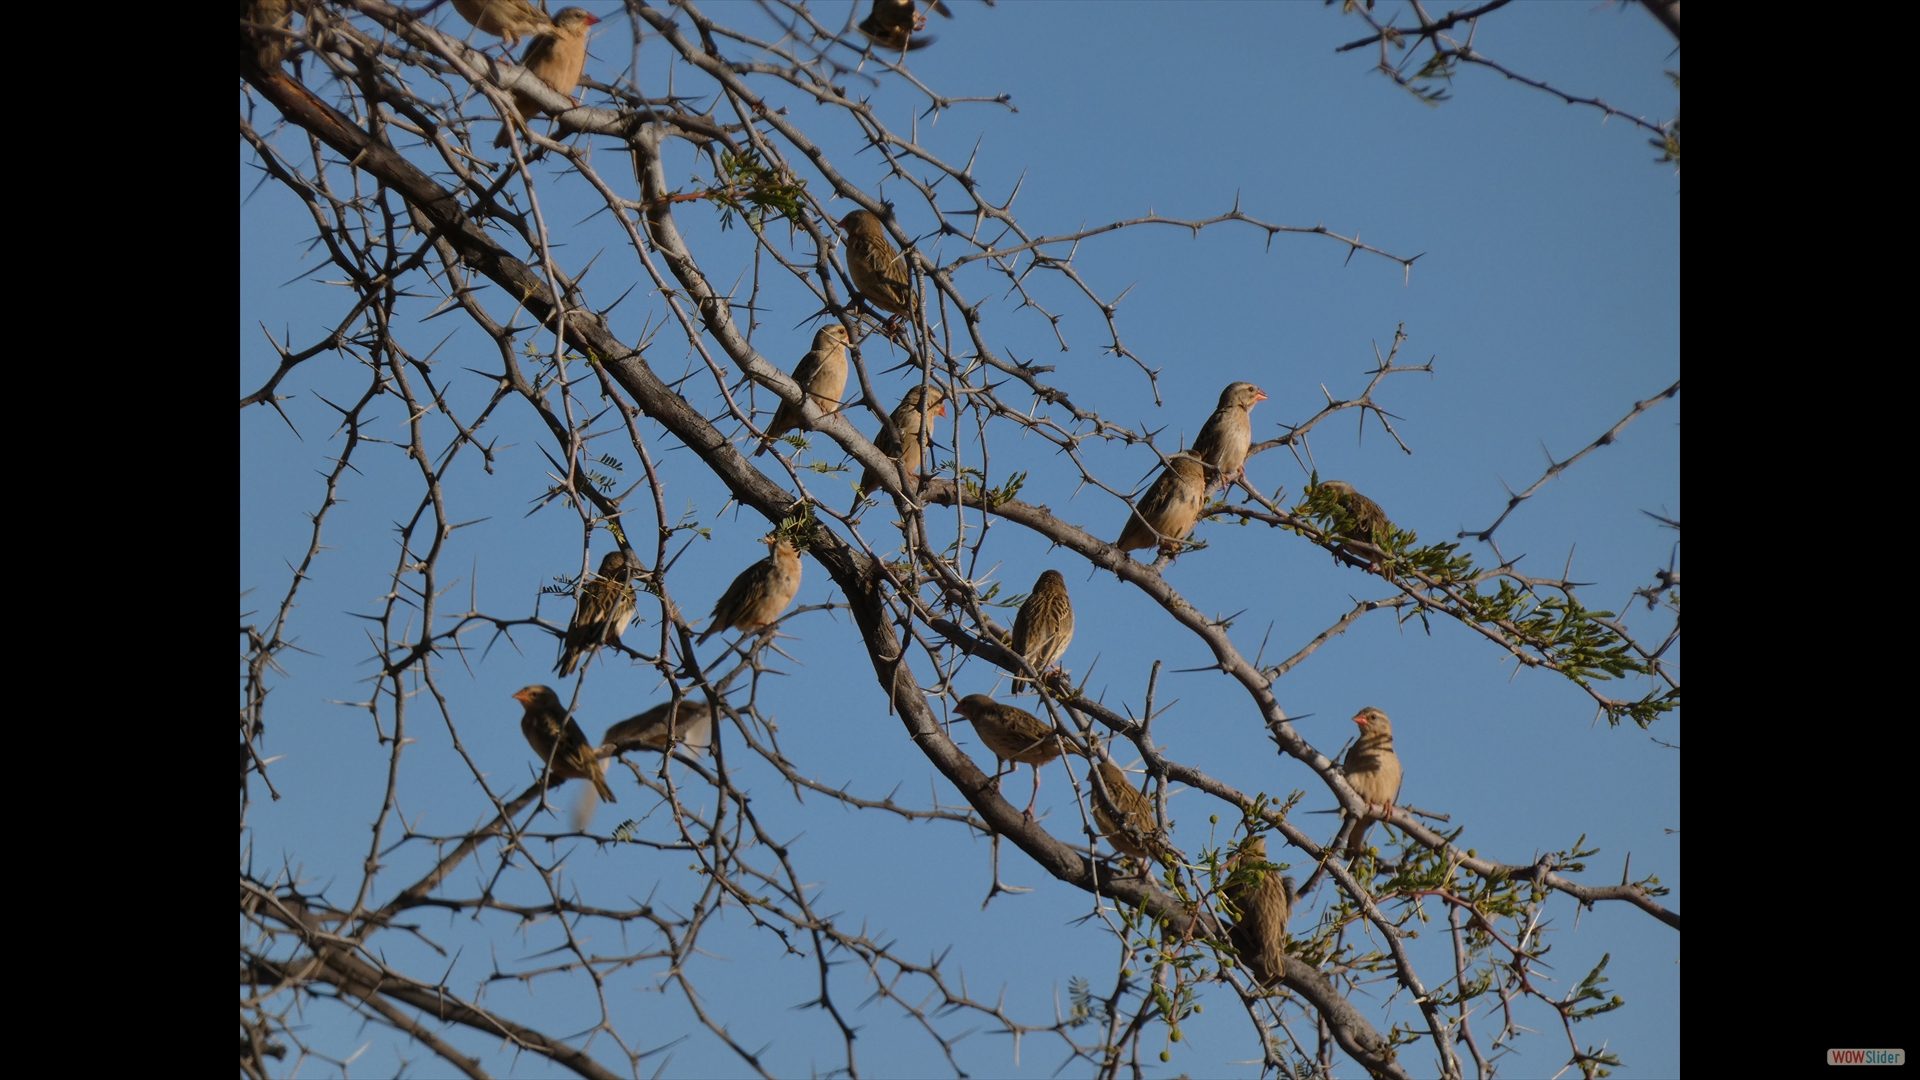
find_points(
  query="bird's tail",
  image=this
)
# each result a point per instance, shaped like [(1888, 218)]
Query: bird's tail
[(584, 806)]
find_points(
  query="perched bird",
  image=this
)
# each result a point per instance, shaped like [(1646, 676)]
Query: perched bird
[(258, 41), (1045, 624), (692, 728), (1123, 810), (1265, 903), (546, 724), (1169, 508), (822, 375), (877, 270), (1366, 521), (602, 608), (910, 418), (558, 56), (890, 23), (1015, 735), (760, 593), (1373, 769), (509, 20), (1225, 437)]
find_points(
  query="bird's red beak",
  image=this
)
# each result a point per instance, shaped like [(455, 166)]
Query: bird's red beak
[(1259, 394), (942, 410), (1361, 719), (592, 19), (522, 697)]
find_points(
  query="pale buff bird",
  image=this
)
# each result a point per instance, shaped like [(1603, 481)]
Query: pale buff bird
[(1373, 769), (822, 374), (1122, 811), (1170, 508), (890, 22), (1265, 900), (761, 592), (509, 20), (1045, 624), (692, 727), (909, 417), (878, 271), (558, 58), (602, 609), (546, 723), (1225, 437), (1015, 735)]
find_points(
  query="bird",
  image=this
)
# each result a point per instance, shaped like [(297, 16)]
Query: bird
[(558, 57), (890, 22), (258, 41), (1045, 624), (1366, 521), (822, 375), (760, 593), (692, 728), (1016, 735), (1225, 437), (546, 723), (1170, 508), (1372, 770), (909, 418), (509, 20), (1265, 903), (602, 608), (1123, 811), (879, 273)]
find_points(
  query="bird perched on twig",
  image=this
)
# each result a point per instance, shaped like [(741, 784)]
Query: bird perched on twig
[(910, 417), (1045, 624), (602, 608), (692, 727), (879, 272), (509, 20), (260, 41), (1226, 436), (1168, 511), (1372, 769), (760, 593), (1016, 735), (822, 375), (890, 22), (1265, 903), (558, 57), (1366, 522), (558, 739), (1123, 811)]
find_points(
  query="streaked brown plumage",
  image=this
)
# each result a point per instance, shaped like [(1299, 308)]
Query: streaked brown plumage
[(1260, 934), (509, 20), (546, 723), (1368, 522), (822, 374), (909, 417), (557, 57), (1129, 808), (1170, 507), (1372, 768), (602, 609), (693, 728), (1228, 433), (1014, 734), (890, 22), (877, 270), (760, 593), (1045, 624), (258, 41)]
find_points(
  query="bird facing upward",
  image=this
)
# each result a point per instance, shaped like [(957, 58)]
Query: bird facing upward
[(602, 609), (692, 728), (878, 271), (557, 57), (1045, 624), (760, 593), (822, 375), (556, 738), (1170, 508), (1227, 435), (1265, 905), (909, 418), (1016, 735), (1373, 769)]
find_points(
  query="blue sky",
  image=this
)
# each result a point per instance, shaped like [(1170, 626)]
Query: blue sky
[(1546, 296)]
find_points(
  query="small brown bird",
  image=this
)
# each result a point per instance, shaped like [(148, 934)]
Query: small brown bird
[(877, 270), (909, 417), (891, 21), (692, 728), (1125, 810), (602, 608), (1015, 735), (1170, 508), (258, 41), (1265, 905), (557, 57), (1367, 522), (509, 20), (1045, 624), (822, 374), (545, 724), (761, 592), (1373, 769), (1228, 433)]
